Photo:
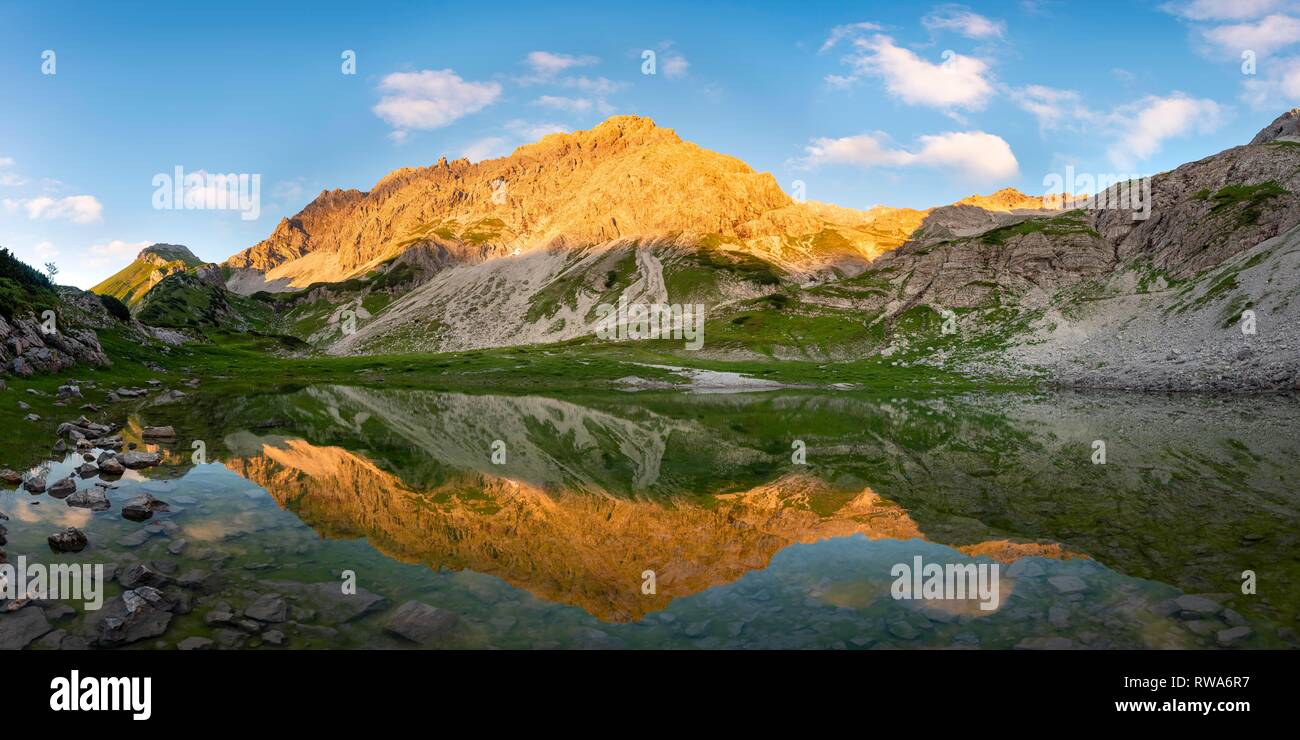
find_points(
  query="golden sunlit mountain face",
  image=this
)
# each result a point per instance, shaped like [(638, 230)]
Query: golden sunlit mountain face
[(585, 548)]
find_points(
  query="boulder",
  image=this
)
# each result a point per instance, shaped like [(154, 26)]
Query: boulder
[(111, 468), (142, 507), (62, 488), (138, 460), (69, 540), (268, 608), (122, 622), (95, 499)]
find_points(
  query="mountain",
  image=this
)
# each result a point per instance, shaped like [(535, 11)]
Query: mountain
[(622, 181), (1095, 297), (521, 249), (524, 249), (150, 267)]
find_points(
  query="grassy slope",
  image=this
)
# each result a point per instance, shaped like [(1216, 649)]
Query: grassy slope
[(130, 284)]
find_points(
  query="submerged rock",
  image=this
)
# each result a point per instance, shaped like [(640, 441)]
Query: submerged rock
[(421, 623), (34, 484), (20, 628)]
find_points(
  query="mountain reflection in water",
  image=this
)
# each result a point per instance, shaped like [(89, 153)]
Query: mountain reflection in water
[(747, 548)]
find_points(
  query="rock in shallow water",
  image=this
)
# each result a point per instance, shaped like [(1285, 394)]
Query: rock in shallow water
[(143, 507), (62, 488), (18, 629), (69, 540), (95, 499), (421, 623), (137, 460)]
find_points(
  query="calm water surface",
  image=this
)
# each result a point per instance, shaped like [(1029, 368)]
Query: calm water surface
[(748, 549)]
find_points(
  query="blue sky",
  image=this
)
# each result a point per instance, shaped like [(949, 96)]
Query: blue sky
[(908, 104)]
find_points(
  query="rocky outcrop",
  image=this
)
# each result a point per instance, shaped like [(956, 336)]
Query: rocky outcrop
[(26, 349), (1285, 128)]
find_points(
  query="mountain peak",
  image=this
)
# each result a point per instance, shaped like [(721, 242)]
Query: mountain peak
[(1006, 199), (613, 134), (168, 253), (1285, 127)]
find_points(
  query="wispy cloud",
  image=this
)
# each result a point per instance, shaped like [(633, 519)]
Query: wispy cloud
[(489, 147), (965, 22), (1134, 131), (1221, 10), (839, 33), (545, 65), (112, 252), (79, 209), (1263, 36)]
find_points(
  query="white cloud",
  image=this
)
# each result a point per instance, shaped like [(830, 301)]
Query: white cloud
[(430, 99), (113, 252), (1221, 10), (489, 147), (675, 65), (973, 155), (1054, 108), (572, 105), (1141, 128), (10, 179), (958, 82), (963, 21), (546, 64), (45, 249), (839, 33), (1262, 37), (592, 85), (79, 209)]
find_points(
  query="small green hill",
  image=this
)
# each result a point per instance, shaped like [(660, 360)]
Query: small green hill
[(192, 300), (150, 267)]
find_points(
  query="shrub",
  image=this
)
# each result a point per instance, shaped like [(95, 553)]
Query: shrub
[(115, 307)]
